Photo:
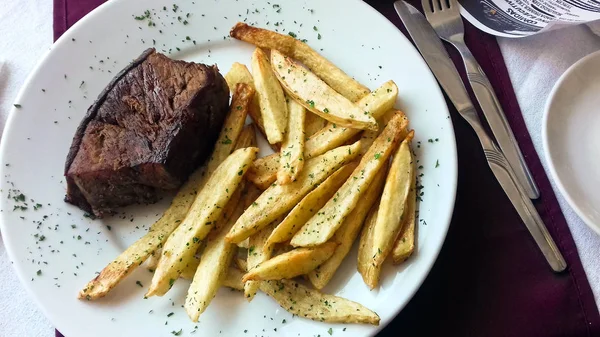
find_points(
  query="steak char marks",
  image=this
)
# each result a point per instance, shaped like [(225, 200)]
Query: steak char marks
[(148, 130)]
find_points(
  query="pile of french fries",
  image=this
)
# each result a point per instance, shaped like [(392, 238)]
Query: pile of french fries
[(342, 168)]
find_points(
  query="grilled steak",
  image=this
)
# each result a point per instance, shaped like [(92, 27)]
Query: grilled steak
[(148, 130)]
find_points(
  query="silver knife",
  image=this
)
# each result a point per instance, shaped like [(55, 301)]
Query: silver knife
[(434, 53)]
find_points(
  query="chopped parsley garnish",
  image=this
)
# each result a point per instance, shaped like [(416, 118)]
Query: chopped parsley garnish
[(292, 34), (18, 106)]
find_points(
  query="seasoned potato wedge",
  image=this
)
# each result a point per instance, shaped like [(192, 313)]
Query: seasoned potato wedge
[(271, 100), (206, 209), (311, 203), (328, 219), (348, 233), (406, 242), (292, 149), (312, 124), (332, 75), (156, 237), (305, 302), (279, 199), (258, 252), (239, 73), (233, 279), (367, 269), (215, 262), (294, 263), (264, 171), (316, 96), (393, 202), (247, 137), (240, 104)]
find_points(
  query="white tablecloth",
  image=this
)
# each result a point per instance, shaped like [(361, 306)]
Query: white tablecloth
[(534, 63)]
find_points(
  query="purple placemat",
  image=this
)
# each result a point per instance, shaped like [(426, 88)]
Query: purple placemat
[(490, 278)]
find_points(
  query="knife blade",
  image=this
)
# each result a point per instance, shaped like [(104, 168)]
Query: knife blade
[(431, 48)]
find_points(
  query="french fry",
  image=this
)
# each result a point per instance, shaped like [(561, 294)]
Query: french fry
[(270, 97), (279, 199), (247, 137), (258, 252), (305, 302), (405, 244), (184, 241), (215, 261), (228, 212), (240, 104), (309, 205), (242, 264), (264, 171), (233, 279), (393, 202), (328, 219), (292, 149), (239, 73), (292, 47), (294, 263), (316, 96), (347, 233), (156, 237), (312, 124), (369, 272)]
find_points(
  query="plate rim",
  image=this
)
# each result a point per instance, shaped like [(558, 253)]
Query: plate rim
[(546, 140), (436, 91)]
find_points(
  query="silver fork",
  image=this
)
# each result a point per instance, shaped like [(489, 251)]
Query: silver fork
[(444, 17)]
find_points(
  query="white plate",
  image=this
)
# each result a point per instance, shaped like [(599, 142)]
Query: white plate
[(571, 137), (81, 63)]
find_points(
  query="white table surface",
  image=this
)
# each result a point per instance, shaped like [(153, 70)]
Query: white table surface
[(534, 64)]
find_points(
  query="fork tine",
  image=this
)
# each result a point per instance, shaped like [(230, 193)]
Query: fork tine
[(443, 4), (426, 4)]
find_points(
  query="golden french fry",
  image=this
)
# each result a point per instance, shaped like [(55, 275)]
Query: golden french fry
[(184, 241), (228, 212), (393, 201), (264, 171), (270, 97), (214, 264), (291, 264), (309, 205), (332, 75), (156, 237), (405, 244), (305, 302), (316, 96), (247, 137), (279, 199), (258, 252), (239, 73), (240, 104), (367, 269), (347, 233), (244, 244), (292, 149), (328, 219), (242, 264), (233, 279), (312, 124)]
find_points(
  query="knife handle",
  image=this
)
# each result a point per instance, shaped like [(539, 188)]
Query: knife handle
[(515, 192), (526, 209), (496, 119)]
